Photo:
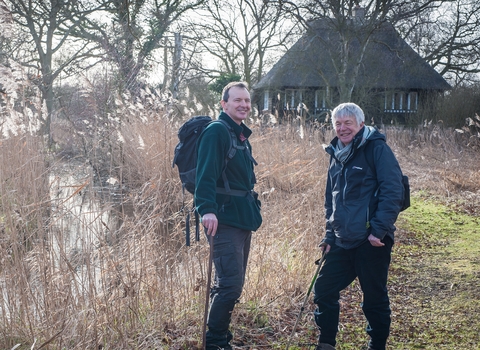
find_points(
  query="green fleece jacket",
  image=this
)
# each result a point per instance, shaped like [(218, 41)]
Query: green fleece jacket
[(213, 145)]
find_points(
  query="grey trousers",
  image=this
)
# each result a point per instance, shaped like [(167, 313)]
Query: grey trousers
[(231, 247)]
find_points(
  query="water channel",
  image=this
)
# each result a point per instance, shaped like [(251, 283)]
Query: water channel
[(81, 218)]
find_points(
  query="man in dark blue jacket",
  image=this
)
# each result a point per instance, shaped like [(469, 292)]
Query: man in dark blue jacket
[(363, 198)]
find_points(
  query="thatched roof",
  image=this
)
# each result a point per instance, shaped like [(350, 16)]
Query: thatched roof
[(389, 63)]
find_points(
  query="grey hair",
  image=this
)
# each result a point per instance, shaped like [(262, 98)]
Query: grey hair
[(348, 109), (226, 89)]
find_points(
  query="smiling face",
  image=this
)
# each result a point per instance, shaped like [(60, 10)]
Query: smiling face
[(238, 105), (347, 128)]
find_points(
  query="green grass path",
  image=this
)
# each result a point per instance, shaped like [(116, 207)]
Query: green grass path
[(435, 279)]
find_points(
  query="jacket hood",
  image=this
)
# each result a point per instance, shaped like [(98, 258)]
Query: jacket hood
[(369, 133)]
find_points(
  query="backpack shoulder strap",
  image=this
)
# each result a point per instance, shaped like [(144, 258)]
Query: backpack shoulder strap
[(231, 151), (369, 156), (369, 153), (234, 146), (233, 139)]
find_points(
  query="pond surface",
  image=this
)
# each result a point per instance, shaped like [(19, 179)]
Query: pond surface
[(82, 219)]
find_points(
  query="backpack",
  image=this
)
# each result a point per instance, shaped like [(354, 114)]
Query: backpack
[(185, 157), (185, 154), (405, 182)]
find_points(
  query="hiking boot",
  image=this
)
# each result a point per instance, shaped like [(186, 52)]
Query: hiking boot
[(215, 347), (324, 346), (217, 341)]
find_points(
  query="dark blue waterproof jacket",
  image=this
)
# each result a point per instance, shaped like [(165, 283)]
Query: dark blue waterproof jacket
[(363, 196)]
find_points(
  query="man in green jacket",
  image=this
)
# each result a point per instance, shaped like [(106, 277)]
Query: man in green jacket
[(228, 217)]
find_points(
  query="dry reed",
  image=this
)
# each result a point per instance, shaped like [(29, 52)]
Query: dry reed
[(119, 275)]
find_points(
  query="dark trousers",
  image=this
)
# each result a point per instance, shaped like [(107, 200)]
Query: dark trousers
[(370, 264), (231, 247)]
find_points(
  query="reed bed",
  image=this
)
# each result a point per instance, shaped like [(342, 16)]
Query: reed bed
[(124, 279)]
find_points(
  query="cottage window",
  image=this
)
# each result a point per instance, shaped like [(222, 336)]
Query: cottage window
[(289, 99), (265, 100), (401, 102), (320, 100), (293, 98), (412, 101)]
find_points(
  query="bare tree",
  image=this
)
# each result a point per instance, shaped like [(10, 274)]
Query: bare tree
[(49, 48), (449, 39), (131, 31), (239, 34), (354, 22)]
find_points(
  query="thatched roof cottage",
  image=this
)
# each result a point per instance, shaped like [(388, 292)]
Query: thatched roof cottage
[(372, 66)]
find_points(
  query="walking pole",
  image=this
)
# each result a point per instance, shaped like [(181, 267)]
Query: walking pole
[(319, 262), (207, 294)]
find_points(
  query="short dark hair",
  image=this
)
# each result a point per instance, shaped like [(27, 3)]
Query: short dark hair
[(226, 89)]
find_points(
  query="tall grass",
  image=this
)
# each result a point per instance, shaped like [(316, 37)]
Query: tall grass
[(79, 272), (24, 207)]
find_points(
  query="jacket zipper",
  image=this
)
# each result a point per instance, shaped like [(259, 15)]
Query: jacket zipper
[(368, 209)]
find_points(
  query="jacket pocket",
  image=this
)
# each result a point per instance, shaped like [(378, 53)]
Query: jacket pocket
[(225, 259), (354, 177)]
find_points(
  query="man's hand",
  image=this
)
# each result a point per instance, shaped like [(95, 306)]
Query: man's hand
[(325, 247), (376, 242), (210, 222)]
